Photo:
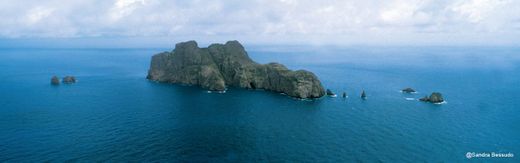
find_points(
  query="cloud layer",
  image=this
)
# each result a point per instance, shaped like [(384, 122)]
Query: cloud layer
[(300, 21)]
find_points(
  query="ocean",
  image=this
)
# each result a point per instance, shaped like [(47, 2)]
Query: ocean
[(114, 114)]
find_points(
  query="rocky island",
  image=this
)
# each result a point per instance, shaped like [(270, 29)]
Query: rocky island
[(55, 80), (408, 90), (330, 93), (221, 65), (69, 79), (435, 97)]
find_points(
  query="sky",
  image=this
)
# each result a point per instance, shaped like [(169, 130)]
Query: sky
[(335, 22)]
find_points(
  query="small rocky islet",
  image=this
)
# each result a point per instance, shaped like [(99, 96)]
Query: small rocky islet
[(330, 93), (408, 90), (69, 79), (435, 97), (55, 80)]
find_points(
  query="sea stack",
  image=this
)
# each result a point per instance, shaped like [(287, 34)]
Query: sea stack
[(55, 80), (330, 93), (435, 97), (408, 90), (69, 79), (221, 65), (363, 95)]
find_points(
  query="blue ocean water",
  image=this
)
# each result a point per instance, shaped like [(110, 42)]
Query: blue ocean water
[(114, 114)]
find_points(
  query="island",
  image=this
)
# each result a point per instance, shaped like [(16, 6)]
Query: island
[(363, 95), (408, 90), (435, 97), (330, 93), (55, 80), (223, 65), (69, 79)]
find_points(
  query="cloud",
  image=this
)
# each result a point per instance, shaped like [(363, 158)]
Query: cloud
[(346, 21), (36, 14), (122, 8), (402, 12), (477, 10)]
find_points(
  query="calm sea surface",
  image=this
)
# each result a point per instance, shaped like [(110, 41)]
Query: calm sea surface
[(114, 114)]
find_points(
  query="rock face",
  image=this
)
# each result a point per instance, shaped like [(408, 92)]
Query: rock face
[(435, 97), (408, 90), (221, 65), (55, 80), (69, 79)]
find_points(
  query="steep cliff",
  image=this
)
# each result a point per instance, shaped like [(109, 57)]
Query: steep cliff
[(222, 65)]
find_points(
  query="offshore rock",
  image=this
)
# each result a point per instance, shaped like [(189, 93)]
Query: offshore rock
[(408, 90), (221, 65), (55, 80), (330, 93), (69, 79), (435, 97), (363, 95)]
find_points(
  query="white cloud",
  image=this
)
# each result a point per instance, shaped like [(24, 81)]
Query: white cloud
[(346, 21), (36, 14), (477, 10), (124, 8), (399, 11)]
